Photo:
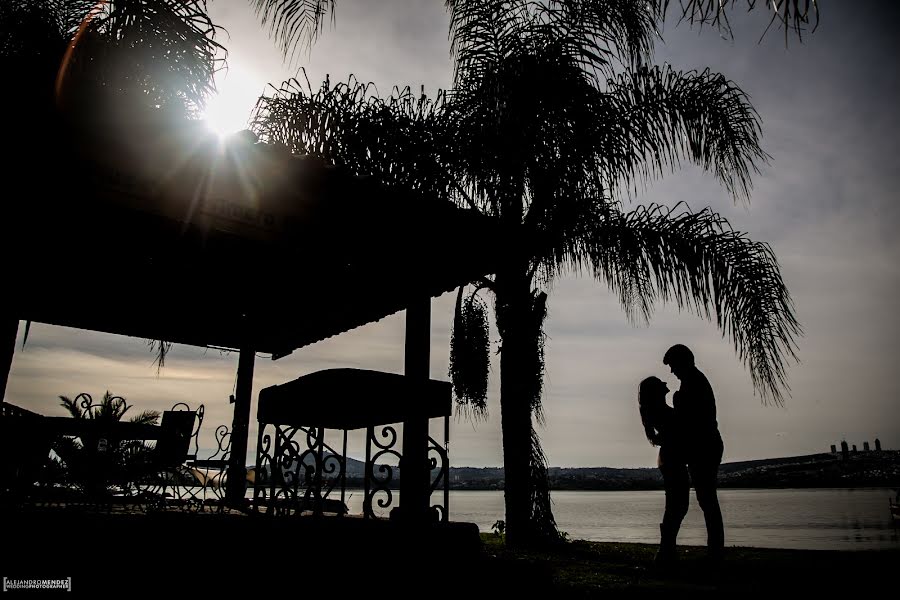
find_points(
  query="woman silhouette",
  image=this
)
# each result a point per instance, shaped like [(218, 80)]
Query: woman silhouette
[(659, 425)]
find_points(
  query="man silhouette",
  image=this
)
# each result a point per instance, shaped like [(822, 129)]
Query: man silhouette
[(699, 440)]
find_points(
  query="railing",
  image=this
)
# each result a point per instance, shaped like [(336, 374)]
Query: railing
[(298, 472)]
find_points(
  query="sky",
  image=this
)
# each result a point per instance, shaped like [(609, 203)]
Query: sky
[(825, 202)]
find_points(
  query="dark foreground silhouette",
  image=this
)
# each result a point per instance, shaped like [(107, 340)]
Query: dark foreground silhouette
[(581, 569), (183, 553), (698, 440), (690, 451)]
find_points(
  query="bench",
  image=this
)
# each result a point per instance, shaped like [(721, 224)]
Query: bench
[(297, 469)]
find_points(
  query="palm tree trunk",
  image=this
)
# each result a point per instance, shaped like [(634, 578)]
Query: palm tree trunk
[(521, 375), (515, 410)]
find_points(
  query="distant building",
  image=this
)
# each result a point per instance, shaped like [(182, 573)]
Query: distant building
[(877, 445), (854, 448), (845, 451), (865, 446), (833, 449)]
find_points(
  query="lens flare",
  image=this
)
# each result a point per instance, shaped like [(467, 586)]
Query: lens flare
[(229, 110)]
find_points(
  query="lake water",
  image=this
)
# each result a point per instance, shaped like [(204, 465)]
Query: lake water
[(815, 519)]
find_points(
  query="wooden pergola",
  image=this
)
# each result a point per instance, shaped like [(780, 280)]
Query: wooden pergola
[(160, 231)]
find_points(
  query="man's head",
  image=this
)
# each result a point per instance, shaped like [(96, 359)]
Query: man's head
[(679, 358)]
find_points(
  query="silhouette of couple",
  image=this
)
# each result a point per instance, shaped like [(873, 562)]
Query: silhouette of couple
[(690, 450)]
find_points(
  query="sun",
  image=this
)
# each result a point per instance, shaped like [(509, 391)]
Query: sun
[(229, 110)]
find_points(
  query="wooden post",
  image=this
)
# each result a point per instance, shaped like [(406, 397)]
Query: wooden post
[(414, 473), (240, 429), (9, 328)]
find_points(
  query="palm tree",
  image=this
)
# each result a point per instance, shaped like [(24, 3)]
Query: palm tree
[(555, 116), (92, 468)]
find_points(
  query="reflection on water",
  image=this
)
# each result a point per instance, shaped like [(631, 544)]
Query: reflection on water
[(817, 519)]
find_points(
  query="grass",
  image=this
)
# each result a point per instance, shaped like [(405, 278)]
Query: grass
[(591, 569)]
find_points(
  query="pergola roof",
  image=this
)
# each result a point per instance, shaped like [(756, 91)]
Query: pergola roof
[(352, 399), (163, 233)]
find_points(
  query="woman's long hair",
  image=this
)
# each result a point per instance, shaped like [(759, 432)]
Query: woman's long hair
[(651, 396)]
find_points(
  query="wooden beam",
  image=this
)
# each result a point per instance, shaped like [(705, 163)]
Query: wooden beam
[(414, 471), (240, 427)]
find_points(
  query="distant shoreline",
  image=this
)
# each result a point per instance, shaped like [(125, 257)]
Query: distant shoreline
[(873, 469), (877, 469)]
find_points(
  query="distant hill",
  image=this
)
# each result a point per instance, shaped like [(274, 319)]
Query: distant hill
[(355, 469), (861, 469)]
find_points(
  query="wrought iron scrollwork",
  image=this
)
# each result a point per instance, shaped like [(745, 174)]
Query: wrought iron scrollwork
[(441, 464), (292, 477), (375, 485), (333, 466), (210, 472), (85, 402), (262, 482), (298, 473)]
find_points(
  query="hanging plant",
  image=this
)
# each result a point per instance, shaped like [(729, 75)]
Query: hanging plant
[(470, 355)]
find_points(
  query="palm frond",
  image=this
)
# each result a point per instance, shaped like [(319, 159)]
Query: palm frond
[(161, 51), (597, 34), (793, 15), (700, 262), (111, 408), (401, 140), (550, 149), (655, 117), (569, 151), (73, 407), (560, 225), (483, 33), (525, 131), (293, 23), (537, 369), (147, 417), (35, 27), (543, 523), (161, 348), (599, 30)]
